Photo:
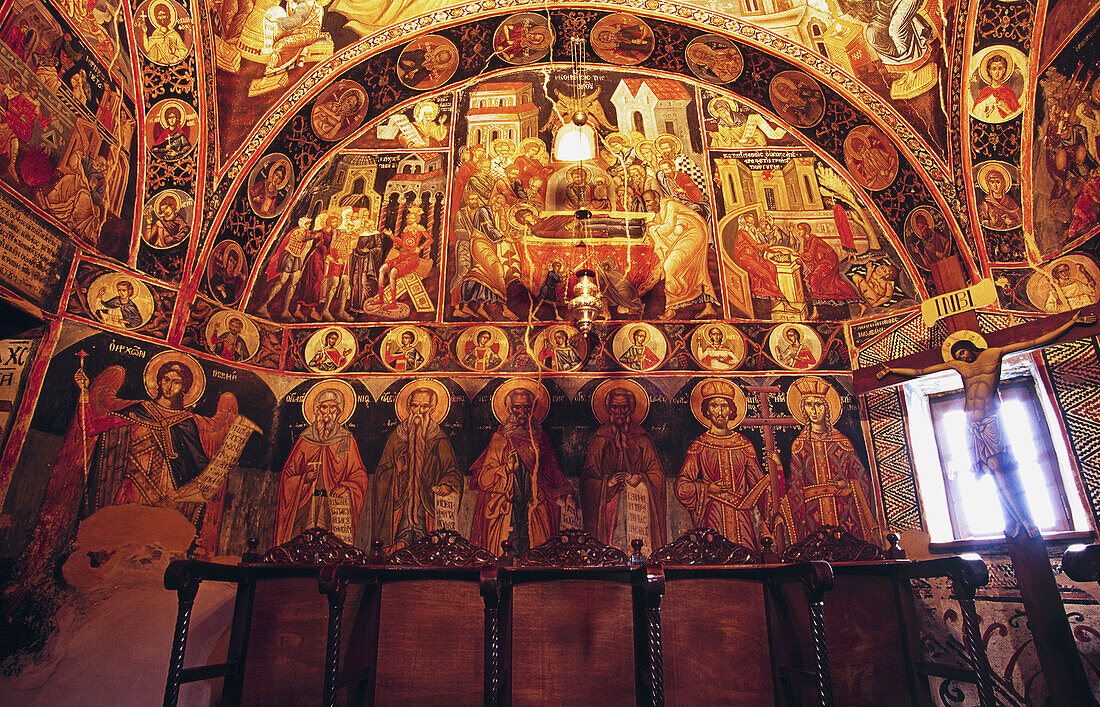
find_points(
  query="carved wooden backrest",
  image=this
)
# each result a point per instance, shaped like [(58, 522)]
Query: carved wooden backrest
[(704, 546), (315, 546), (442, 548), (573, 548), (833, 544)]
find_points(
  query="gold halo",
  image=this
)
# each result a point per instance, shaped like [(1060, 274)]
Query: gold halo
[(971, 336), (172, 17), (344, 389), (739, 404), (286, 171), (983, 67), (198, 384), (395, 334), (522, 146), (432, 104), (599, 399), (542, 398), (794, 400), (442, 399), (668, 138), (714, 102), (992, 166), (494, 146), (700, 336)]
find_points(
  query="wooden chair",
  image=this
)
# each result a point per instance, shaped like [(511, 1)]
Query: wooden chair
[(726, 628), (872, 623), (574, 626), (428, 630), (276, 652), (1081, 563)]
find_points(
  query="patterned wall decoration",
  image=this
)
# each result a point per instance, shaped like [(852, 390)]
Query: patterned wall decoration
[(1074, 373), (890, 443)]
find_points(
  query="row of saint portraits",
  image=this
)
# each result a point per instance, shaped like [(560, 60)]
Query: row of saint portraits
[(496, 459)]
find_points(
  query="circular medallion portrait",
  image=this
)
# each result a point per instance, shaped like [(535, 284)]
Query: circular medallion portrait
[(232, 336), (226, 272), (523, 38), (718, 346), (927, 237), (714, 58), (871, 158), (120, 301), (270, 185), (623, 396), (505, 397), (164, 29), (425, 395), (339, 392), (1069, 282), (622, 39), (639, 347), (560, 348), (797, 98), (172, 126), (339, 110), (997, 80), (482, 348), (795, 347), (405, 349), (330, 350), (998, 208), (166, 219), (170, 367), (718, 389), (813, 388), (427, 62)]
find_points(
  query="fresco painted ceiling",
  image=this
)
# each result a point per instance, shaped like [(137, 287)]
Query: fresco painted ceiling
[(294, 170)]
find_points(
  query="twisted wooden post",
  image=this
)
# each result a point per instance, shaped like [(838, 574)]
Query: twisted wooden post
[(964, 586), (186, 590), (335, 589)]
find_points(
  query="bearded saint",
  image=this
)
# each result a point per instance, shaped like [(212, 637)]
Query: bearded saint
[(679, 238), (622, 454), (521, 487), (721, 483), (417, 465), (324, 470)]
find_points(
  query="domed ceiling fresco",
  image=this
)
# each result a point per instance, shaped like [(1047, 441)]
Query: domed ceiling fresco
[(274, 196)]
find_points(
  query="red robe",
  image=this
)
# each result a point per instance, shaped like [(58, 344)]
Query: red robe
[(338, 467), (741, 506), (829, 486), (491, 478)]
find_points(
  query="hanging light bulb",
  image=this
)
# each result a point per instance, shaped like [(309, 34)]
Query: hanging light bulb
[(576, 141), (585, 305)]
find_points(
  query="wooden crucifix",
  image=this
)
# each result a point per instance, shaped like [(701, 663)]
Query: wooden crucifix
[(766, 422), (979, 366)]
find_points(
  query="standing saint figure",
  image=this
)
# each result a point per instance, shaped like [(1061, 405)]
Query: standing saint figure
[(521, 489), (721, 483), (980, 369), (323, 482), (417, 465), (829, 485), (622, 459)]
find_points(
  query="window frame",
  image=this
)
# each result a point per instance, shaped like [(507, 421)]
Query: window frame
[(939, 514)]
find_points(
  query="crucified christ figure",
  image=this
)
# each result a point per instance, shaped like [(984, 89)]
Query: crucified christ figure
[(980, 369)]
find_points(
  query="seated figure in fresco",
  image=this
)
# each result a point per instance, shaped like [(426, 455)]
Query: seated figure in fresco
[(829, 485), (679, 237), (721, 483), (288, 32), (618, 291)]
